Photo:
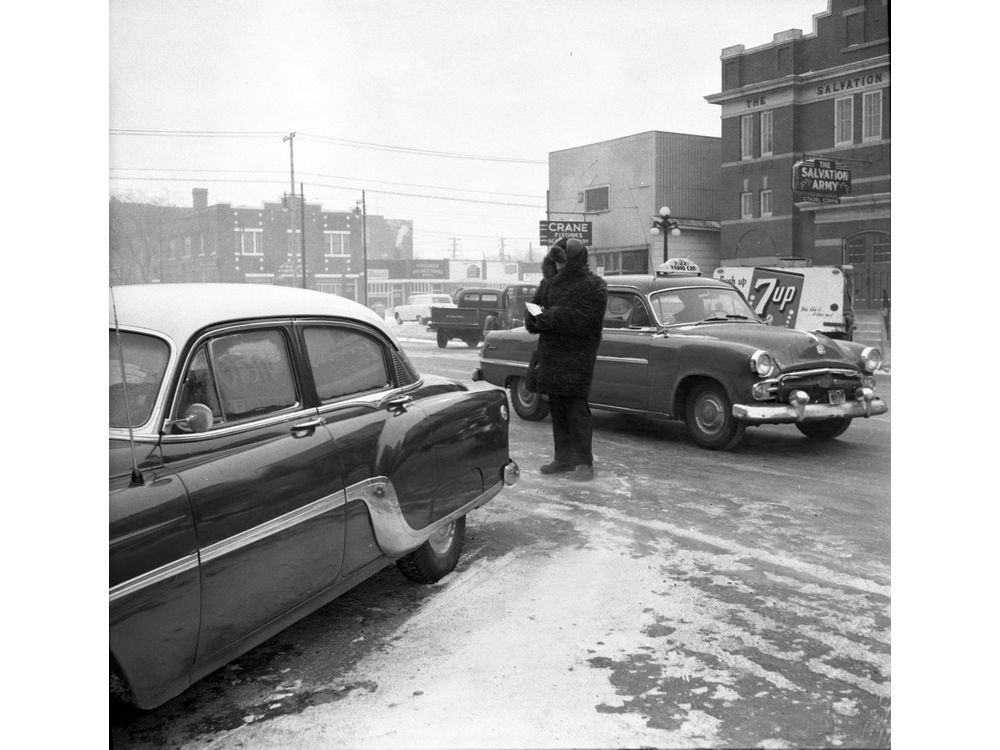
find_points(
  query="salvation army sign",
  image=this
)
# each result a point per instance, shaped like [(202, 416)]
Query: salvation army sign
[(820, 180), (552, 231)]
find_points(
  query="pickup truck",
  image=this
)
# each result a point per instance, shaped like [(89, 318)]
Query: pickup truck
[(479, 310)]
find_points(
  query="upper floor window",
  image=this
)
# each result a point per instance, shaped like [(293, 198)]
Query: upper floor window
[(597, 199), (250, 241), (746, 137), (187, 247), (746, 205), (766, 133), (843, 121), (871, 116), (336, 243), (765, 202)]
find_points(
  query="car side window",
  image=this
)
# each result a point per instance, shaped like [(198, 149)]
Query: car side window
[(345, 362), (240, 376), (625, 309)]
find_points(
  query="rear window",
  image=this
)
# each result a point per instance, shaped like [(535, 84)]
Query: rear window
[(442, 299)]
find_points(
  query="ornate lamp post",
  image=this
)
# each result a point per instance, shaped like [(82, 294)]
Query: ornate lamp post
[(666, 225)]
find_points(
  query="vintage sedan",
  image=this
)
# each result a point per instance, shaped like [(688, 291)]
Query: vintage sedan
[(680, 346), (270, 448)]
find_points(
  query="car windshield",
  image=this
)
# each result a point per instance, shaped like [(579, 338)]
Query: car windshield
[(145, 361), (697, 304)]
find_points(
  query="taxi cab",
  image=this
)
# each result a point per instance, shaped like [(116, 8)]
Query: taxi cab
[(677, 345), (271, 448)]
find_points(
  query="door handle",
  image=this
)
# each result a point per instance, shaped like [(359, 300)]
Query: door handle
[(312, 424), (398, 403)]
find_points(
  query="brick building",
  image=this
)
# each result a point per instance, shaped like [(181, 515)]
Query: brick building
[(803, 97), (227, 243)]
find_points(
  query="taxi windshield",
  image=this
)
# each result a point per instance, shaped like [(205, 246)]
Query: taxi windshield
[(698, 304)]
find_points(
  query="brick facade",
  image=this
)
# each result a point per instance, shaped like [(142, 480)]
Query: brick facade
[(821, 95)]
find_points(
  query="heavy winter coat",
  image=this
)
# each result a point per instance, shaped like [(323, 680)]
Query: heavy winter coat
[(569, 328)]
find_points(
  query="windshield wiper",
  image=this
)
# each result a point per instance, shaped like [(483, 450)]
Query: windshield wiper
[(722, 317)]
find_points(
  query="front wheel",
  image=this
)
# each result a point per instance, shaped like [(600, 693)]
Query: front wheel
[(827, 429), (423, 320), (437, 557), (442, 339), (399, 320), (528, 404), (709, 417)]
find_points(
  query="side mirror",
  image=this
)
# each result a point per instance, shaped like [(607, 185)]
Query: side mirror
[(197, 418)]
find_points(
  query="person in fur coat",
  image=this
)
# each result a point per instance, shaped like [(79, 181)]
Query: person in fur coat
[(573, 300)]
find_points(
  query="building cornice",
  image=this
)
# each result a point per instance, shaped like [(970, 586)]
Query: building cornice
[(800, 80)]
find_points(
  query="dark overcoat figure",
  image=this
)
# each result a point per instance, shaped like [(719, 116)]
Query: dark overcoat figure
[(569, 333)]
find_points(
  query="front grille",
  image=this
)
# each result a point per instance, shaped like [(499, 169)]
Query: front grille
[(818, 384)]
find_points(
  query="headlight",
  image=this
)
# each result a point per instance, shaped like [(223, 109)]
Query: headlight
[(871, 359), (762, 363)]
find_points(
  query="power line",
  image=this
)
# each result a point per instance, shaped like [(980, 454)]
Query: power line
[(334, 187), (323, 139), (327, 176)]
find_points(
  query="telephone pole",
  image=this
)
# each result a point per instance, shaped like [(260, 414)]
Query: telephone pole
[(302, 196)]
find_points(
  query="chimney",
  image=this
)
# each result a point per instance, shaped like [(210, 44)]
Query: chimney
[(199, 198)]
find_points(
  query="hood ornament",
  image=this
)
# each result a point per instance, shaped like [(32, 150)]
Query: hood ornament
[(820, 349)]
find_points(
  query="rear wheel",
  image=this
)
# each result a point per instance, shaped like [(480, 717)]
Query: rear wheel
[(528, 404), (437, 557), (442, 339), (827, 429), (709, 417)]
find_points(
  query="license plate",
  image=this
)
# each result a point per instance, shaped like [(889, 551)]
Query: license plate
[(836, 397)]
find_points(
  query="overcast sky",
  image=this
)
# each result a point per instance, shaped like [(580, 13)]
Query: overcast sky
[(444, 112)]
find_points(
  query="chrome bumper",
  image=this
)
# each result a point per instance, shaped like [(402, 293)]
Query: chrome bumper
[(776, 413)]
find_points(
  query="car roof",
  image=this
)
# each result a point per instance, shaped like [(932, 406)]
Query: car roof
[(647, 283), (180, 310)]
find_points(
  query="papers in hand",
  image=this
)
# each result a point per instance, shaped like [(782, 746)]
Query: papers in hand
[(532, 308)]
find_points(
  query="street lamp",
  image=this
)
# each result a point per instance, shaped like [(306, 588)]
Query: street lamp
[(664, 223)]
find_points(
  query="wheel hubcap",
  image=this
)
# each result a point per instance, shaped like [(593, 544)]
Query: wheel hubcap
[(527, 397), (441, 539), (710, 415)]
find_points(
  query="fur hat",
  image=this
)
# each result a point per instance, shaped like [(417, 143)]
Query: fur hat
[(557, 253)]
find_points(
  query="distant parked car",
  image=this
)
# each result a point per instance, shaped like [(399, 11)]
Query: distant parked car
[(680, 346), (271, 448), (418, 307)]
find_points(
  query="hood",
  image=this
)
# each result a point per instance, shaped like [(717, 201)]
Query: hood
[(791, 348)]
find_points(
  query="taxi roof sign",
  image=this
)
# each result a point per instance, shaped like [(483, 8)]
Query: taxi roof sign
[(678, 267)]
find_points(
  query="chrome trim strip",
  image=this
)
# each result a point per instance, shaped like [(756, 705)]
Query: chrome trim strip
[(188, 562), (504, 363), (255, 424), (394, 536), (274, 526), (625, 360)]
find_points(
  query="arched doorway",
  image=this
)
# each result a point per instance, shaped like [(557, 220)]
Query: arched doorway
[(870, 253)]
